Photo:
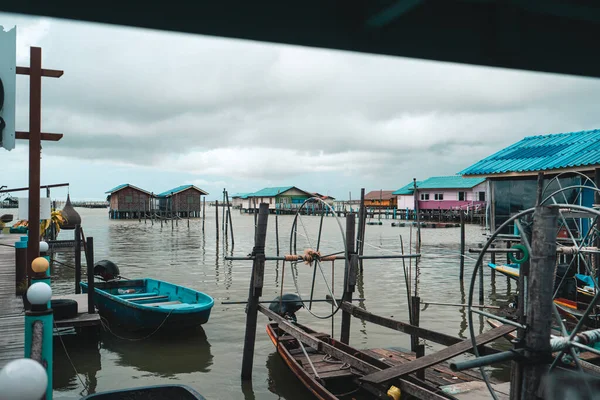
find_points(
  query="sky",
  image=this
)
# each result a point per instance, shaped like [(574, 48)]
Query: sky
[(158, 110)]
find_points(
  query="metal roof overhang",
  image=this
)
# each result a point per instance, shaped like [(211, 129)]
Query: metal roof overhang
[(540, 35)]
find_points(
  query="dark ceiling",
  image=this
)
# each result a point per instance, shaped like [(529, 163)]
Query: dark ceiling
[(553, 35)]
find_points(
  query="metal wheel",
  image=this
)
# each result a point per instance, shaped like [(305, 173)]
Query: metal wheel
[(579, 251), (309, 240)]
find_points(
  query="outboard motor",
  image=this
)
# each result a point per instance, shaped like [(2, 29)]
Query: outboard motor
[(106, 270), (290, 303)]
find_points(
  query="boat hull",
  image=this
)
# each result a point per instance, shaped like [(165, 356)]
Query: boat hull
[(142, 317), (159, 392)]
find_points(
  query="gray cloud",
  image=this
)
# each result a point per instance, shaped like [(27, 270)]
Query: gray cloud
[(220, 107)]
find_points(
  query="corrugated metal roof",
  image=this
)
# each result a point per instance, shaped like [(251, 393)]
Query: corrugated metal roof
[(541, 153), (178, 189), (449, 182), (406, 190), (123, 186), (274, 191), (239, 195), (379, 194)]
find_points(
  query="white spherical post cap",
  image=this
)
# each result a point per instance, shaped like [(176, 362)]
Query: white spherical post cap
[(39, 293), (44, 247), (23, 379)]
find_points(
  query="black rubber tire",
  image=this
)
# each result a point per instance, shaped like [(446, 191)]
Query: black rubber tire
[(64, 309)]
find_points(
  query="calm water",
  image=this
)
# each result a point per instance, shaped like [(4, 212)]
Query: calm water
[(210, 360)]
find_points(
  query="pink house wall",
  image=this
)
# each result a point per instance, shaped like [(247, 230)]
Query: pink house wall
[(450, 198)]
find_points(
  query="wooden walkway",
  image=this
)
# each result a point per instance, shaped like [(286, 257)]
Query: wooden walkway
[(12, 328)]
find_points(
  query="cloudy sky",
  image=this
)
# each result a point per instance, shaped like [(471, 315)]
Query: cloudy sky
[(159, 109)]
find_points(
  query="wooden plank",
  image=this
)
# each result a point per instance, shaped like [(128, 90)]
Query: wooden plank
[(405, 385), (80, 321), (423, 333), (436, 358)]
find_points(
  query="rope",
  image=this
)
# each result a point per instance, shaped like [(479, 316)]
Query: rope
[(291, 257), (106, 326), (71, 361), (339, 306)]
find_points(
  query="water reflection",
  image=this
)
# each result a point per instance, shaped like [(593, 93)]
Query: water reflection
[(83, 357), (164, 356), (282, 381)]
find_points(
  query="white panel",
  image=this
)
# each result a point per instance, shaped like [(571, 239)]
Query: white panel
[(8, 74), (45, 208)]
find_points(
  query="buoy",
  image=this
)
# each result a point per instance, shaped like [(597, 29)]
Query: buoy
[(23, 379)]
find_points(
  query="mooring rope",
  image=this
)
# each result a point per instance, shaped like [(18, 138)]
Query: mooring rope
[(106, 326), (71, 361)]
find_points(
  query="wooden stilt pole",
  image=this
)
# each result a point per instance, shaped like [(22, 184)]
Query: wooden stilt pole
[(77, 259), (203, 212), (255, 291), (229, 217), (539, 303), (217, 218), (349, 275), (277, 233)]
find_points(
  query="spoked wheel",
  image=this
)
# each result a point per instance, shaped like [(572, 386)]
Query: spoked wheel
[(582, 314), (308, 239)]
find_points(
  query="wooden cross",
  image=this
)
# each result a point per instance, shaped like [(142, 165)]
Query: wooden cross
[(35, 137)]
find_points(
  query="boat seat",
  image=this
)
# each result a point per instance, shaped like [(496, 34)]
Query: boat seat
[(154, 298), (163, 303), (134, 295), (180, 305)]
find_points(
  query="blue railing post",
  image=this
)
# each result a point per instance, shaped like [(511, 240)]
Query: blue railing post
[(39, 322)]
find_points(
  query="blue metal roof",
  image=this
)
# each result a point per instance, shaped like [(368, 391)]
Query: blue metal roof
[(178, 189), (449, 182), (542, 153), (239, 195), (406, 190), (274, 191), (123, 186)]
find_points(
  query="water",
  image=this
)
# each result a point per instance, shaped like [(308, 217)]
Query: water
[(210, 360)]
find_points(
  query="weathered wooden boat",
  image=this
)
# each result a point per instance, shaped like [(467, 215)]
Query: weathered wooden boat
[(509, 270), (150, 304), (158, 392), (329, 378), (6, 218)]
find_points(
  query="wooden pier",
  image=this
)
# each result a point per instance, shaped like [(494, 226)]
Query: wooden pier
[(12, 320), (12, 312)]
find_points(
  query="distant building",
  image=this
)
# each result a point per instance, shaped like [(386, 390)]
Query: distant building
[(183, 201), (512, 171), (238, 199), (128, 201), (380, 199), (280, 198), (444, 193), (327, 199)]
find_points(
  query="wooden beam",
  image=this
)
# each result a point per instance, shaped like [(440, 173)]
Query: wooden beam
[(51, 137), (407, 387), (423, 333), (49, 73), (22, 189), (436, 358)]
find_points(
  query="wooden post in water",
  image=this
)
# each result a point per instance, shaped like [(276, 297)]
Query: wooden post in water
[(217, 217), (140, 212), (349, 275), (539, 304), (255, 291), (415, 346), (418, 239), (462, 245), (229, 217), (188, 214), (277, 233), (223, 222), (203, 212), (90, 274), (77, 259)]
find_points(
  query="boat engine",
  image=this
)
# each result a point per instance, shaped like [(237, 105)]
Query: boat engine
[(290, 303), (106, 270)]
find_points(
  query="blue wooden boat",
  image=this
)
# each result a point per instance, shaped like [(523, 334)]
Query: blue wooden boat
[(158, 392), (150, 304)]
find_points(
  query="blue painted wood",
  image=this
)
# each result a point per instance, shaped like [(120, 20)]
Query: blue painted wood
[(137, 305)]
